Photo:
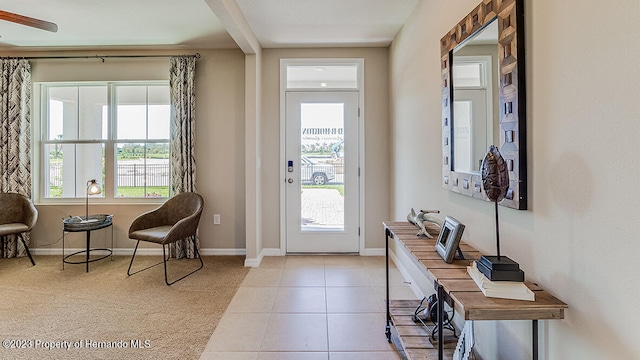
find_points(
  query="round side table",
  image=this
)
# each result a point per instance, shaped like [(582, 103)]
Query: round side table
[(87, 224)]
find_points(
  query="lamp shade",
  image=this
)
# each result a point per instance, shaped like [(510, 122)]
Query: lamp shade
[(93, 188)]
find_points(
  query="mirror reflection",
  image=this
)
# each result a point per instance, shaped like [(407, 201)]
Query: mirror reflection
[(476, 118)]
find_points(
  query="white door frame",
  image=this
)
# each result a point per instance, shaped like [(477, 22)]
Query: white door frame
[(361, 169)]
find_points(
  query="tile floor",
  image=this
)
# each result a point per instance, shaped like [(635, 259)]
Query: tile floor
[(309, 308)]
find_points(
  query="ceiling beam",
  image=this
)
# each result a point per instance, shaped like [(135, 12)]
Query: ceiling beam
[(233, 20)]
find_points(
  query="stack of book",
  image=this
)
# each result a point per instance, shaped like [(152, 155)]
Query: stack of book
[(500, 289)]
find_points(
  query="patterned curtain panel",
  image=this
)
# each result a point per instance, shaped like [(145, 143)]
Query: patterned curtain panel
[(15, 138), (183, 162)]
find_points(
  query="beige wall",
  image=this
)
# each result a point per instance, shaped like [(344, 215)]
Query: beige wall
[(219, 143), (578, 239), (375, 143), (221, 138)]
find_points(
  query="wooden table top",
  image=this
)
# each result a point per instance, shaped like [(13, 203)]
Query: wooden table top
[(467, 297)]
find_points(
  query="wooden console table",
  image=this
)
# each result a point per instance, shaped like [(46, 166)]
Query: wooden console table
[(454, 286)]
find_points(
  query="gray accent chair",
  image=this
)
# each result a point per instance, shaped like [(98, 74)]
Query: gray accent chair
[(17, 216), (175, 220)]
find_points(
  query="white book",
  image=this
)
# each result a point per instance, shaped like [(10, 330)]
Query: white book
[(500, 289)]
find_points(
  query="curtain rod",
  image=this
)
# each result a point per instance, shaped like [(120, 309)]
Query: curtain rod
[(101, 57)]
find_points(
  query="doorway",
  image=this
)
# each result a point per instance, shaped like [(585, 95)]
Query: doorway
[(322, 191)]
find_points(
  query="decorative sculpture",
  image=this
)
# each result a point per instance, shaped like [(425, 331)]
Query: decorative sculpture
[(495, 180), (421, 218)]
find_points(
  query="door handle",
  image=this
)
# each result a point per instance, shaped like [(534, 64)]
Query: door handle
[(290, 180)]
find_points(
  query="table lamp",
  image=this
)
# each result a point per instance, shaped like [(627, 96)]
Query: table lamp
[(93, 188)]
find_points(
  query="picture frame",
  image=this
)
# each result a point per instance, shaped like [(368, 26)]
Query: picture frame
[(449, 238)]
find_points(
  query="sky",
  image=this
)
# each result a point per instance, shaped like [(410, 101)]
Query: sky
[(131, 121)]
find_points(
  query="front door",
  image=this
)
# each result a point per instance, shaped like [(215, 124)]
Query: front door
[(321, 173)]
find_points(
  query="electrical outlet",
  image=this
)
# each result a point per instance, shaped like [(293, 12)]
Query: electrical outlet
[(216, 219)]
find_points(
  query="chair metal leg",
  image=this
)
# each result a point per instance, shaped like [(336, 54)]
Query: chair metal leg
[(133, 256), (131, 263), (164, 261), (195, 248), (27, 249)]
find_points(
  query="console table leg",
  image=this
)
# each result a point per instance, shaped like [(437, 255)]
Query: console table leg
[(440, 322), (535, 339), (388, 328)]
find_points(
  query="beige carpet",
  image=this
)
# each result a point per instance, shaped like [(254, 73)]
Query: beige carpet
[(105, 314)]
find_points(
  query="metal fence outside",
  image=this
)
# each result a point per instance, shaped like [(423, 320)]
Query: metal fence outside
[(127, 175)]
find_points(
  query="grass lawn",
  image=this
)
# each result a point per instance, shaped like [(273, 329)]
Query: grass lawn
[(138, 191)]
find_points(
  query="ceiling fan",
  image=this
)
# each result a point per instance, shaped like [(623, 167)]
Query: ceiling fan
[(28, 21)]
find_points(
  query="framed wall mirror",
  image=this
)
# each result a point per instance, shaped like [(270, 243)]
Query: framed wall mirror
[(483, 98)]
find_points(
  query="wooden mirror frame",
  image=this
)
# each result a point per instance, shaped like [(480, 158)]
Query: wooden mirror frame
[(513, 144)]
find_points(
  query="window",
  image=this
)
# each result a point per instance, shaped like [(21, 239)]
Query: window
[(468, 73), (116, 133), (328, 76)]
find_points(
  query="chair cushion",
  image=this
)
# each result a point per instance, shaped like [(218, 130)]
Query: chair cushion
[(154, 234), (13, 228)]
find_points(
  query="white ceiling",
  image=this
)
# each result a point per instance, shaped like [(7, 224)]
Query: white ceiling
[(192, 24)]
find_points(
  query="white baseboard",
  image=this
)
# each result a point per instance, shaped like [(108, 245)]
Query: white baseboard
[(255, 262), (223, 252), (141, 251), (205, 252), (252, 262), (117, 251)]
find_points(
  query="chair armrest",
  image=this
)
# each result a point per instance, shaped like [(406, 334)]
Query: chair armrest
[(184, 228)]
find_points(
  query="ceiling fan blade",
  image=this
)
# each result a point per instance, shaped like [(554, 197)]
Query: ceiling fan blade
[(28, 21)]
